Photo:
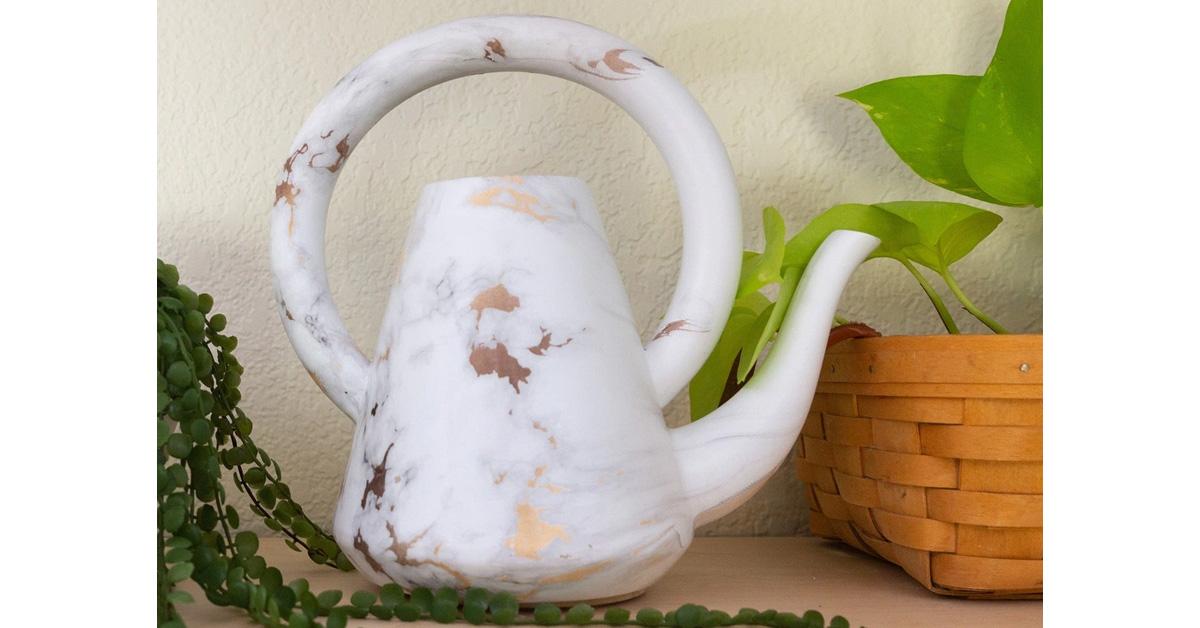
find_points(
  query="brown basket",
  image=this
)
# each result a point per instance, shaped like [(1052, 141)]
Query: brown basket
[(927, 451)]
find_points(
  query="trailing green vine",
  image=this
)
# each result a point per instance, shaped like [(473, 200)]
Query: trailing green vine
[(202, 431)]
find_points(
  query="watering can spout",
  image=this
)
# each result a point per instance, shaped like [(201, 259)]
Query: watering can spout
[(727, 456)]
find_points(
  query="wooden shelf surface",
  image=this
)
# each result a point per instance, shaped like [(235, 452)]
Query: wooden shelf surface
[(728, 573)]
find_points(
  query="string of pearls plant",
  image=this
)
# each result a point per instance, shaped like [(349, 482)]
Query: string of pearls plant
[(201, 432)]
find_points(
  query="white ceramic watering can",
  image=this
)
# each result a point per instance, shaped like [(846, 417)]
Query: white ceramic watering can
[(509, 432)]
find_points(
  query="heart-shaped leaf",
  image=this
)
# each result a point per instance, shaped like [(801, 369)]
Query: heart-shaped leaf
[(750, 339), (1002, 146), (946, 231), (787, 289), (763, 269), (922, 118), (709, 383)]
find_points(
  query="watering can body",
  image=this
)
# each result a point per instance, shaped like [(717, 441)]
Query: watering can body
[(511, 437), (509, 432)]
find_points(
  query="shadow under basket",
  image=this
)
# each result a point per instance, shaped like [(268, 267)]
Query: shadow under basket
[(927, 451)]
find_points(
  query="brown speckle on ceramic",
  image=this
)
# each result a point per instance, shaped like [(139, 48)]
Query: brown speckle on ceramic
[(537, 475), (533, 534), (401, 549), (291, 160), (612, 64), (541, 347), (487, 360), (510, 198), (674, 326), (496, 298), (493, 47), (360, 544), (343, 151), (378, 481), (286, 191)]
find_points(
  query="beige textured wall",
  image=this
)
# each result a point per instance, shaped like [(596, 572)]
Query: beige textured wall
[(237, 78)]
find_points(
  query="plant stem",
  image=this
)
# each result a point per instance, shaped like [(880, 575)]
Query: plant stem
[(969, 306), (938, 303)]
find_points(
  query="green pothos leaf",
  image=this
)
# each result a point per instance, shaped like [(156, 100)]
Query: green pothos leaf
[(750, 349), (763, 269), (946, 232), (787, 289), (922, 118), (706, 387), (1002, 146)]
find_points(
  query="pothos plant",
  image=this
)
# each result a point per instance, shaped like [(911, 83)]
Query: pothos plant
[(203, 434), (977, 136)]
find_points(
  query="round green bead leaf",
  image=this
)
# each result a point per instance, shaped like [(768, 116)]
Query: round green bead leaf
[(255, 477), (446, 593), (164, 428), (839, 622), (423, 598), (271, 578), (201, 431), (444, 611), (255, 565), (168, 274), (616, 616), (475, 611), (812, 619), (362, 599), (304, 529), (180, 572), (178, 555), (193, 322), (172, 518), (186, 296), (337, 619), (546, 614), (649, 617), (476, 594), (328, 599), (580, 614), (407, 611), (390, 595), (689, 615), (381, 612), (246, 544), (266, 495), (179, 374)]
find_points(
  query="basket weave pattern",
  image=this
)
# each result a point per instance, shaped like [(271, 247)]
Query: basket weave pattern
[(926, 451)]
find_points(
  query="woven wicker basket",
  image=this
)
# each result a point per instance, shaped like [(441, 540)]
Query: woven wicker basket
[(927, 451)]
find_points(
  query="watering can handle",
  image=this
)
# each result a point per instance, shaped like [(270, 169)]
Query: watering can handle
[(543, 45)]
